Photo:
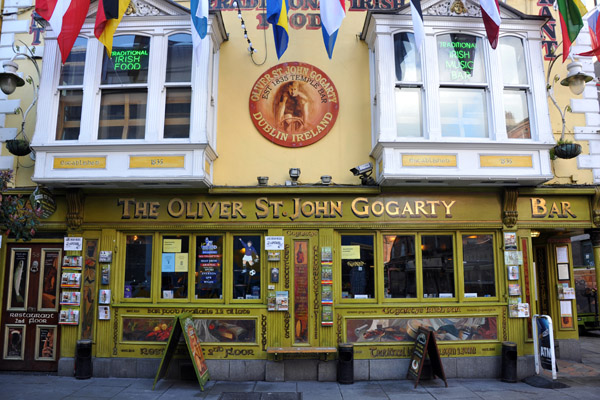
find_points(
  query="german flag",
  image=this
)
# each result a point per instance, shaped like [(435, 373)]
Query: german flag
[(108, 17)]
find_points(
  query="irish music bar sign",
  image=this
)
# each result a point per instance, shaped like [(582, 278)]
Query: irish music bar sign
[(294, 104)]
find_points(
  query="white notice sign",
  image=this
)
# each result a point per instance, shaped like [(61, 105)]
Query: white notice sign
[(274, 243), (73, 244)]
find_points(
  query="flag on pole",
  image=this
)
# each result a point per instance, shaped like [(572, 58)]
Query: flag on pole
[(277, 15), (570, 12), (332, 14), (66, 17), (199, 14), (109, 16), (490, 12), (417, 19), (594, 27)]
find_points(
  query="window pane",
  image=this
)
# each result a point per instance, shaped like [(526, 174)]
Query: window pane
[(69, 115), (463, 112), (138, 266), (357, 268), (177, 113), (478, 265), (179, 59), (460, 58), (209, 267), (122, 114), (246, 267), (128, 62), (174, 267), (438, 266), (400, 278), (72, 70), (408, 112), (512, 57), (408, 61), (517, 114)]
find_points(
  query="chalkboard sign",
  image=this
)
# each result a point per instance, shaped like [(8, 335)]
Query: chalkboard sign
[(184, 325), (425, 346)]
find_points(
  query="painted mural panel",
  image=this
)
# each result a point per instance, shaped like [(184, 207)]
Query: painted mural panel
[(226, 330), (405, 329), (147, 329)]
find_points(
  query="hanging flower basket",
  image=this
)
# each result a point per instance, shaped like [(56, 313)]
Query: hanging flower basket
[(567, 150), (18, 147)]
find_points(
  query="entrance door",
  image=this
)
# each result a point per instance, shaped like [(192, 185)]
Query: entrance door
[(29, 330), (303, 316), (541, 272)]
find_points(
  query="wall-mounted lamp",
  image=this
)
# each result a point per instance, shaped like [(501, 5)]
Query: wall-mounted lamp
[(364, 171), (294, 174), (9, 82), (535, 234), (262, 180)]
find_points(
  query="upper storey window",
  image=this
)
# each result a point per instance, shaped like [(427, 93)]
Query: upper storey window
[(516, 87), (409, 86), (70, 89), (124, 86), (463, 84), (179, 87)]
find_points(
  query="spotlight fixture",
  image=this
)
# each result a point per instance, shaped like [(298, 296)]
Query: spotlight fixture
[(326, 179), (262, 180), (364, 171), (535, 234), (294, 174)]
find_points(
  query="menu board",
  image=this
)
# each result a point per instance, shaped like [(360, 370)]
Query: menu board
[(425, 346)]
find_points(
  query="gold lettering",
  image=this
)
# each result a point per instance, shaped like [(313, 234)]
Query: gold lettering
[(236, 210), (321, 209), (211, 208), (538, 207), (308, 208), (262, 207), (419, 208), (566, 208), (225, 210), (364, 211), (433, 204), (153, 209), (407, 209), (377, 208), (141, 209), (126, 204), (396, 209), (175, 208), (337, 207), (189, 210), (448, 206), (554, 211)]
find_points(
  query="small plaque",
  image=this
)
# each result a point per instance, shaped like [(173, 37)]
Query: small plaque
[(156, 161), (428, 160), (506, 161), (79, 162), (105, 257)]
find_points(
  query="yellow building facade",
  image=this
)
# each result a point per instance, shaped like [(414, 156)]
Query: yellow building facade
[(296, 204)]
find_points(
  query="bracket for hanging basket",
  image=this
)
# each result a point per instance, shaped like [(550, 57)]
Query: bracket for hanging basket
[(18, 147), (567, 150)]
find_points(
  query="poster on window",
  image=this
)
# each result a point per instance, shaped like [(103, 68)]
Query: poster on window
[(49, 280), (18, 282), (405, 329), (510, 241), (45, 343), (14, 342)]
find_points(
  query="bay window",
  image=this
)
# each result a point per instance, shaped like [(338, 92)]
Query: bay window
[(70, 90), (516, 87), (409, 86)]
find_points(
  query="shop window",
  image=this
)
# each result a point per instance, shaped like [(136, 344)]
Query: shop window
[(409, 86), (438, 266), (246, 267), (357, 267), (516, 87), (400, 270), (124, 86), (175, 267), (178, 86), (70, 89), (463, 98), (138, 266), (478, 265), (209, 267)]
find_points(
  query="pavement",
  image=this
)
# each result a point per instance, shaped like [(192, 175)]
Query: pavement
[(583, 380)]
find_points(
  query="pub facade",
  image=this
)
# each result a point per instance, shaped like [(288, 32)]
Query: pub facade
[(292, 205)]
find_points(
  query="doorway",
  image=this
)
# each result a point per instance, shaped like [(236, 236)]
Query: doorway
[(29, 333)]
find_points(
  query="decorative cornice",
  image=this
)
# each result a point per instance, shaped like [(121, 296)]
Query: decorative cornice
[(454, 8), (75, 206), (510, 215)]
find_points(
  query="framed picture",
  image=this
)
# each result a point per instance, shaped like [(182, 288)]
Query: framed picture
[(45, 343), (14, 342), (510, 241), (562, 254), (563, 272), (514, 289), (513, 272)]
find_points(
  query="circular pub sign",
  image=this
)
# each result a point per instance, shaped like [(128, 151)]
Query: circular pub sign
[(294, 104)]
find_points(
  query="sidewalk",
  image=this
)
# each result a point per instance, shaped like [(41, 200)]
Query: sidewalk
[(45, 387)]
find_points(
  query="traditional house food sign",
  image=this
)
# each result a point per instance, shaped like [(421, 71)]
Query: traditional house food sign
[(294, 104)]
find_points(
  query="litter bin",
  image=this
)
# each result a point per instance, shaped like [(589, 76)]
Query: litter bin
[(83, 359), (345, 368), (509, 362)]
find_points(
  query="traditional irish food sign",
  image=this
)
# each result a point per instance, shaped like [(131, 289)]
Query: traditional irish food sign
[(294, 104)]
